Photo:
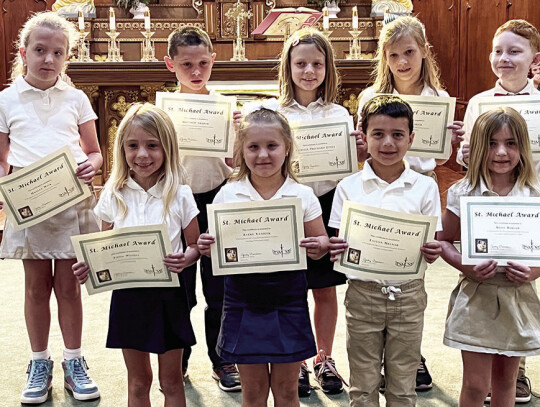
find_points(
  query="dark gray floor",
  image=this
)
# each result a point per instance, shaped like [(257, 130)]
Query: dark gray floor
[(107, 366)]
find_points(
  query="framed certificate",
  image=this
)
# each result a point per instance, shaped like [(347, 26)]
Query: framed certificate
[(43, 189), (257, 237), (203, 123), (325, 149), (432, 116), (527, 106), (500, 228), (126, 258), (383, 245)]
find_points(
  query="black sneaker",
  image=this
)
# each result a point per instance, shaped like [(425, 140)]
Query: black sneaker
[(423, 378), (523, 388), (228, 377), (326, 374), (304, 388)]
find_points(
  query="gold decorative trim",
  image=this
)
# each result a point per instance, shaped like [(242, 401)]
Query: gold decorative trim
[(149, 92), (197, 5), (111, 137)]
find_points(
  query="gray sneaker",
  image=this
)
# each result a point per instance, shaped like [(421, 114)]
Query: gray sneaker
[(77, 380), (39, 381)]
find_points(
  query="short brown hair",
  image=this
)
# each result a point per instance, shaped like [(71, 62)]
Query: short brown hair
[(186, 37), (523, 29), (388, 105)]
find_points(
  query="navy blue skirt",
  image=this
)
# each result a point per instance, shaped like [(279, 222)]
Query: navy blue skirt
[(153, 320), (266, 319)]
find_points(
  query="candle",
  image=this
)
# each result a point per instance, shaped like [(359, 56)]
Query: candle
[(147, 20), (326, 19), (355, 18), (112, 20), (81, 21)]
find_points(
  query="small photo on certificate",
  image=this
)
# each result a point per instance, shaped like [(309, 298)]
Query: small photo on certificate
[(257, 237), (126, 258)]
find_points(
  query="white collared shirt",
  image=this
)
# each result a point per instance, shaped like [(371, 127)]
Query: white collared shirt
[(470, 118), (411, 193), (420, 164), (39, 122), (146, 208), (295, 112), (243, 191)]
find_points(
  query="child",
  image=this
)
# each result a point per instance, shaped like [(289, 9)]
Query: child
[(277, 300), (191, 58), (376, 322), (515, 50), (145, 189), (500, 165), (535, 73), (308, 81), (40, 113)]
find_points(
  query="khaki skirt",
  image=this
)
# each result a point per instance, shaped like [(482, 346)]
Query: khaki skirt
[(494, 316)]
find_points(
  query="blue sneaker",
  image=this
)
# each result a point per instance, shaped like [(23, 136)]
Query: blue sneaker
[(77, 380), (39, 381)]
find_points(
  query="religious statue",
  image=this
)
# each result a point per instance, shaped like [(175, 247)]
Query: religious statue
[(378, 7), (70, 8)]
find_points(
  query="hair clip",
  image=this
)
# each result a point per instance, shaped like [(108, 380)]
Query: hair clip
[(270, 104), (295, 42)]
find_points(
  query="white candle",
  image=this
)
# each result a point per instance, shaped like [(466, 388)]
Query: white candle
[(147, 20), (112, 20), (81, 21), (325, 19), (355, 18)]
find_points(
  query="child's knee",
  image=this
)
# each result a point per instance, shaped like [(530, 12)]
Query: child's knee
[(171, 384), (67, 292), (39, 292), (139, 386)]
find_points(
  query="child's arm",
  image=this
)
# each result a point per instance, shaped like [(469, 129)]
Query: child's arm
[(316, 240), (90, 145), (4, 150), (520, 273), (176, 262), (450, 254), (204, 242), (336, 247), (81, 269), (237, 119)]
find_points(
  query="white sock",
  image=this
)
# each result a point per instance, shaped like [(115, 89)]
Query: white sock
[(44, 354), (72, 353)]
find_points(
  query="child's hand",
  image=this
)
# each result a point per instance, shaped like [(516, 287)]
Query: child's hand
[(466, 152), (81, 270), (536, 80), (237, 119), (457, 131), (481, 272), (175, 262), (314, 248), (431, 251), (521, 274), (336, 247), (361, 146), (86, 172), (204, 242)]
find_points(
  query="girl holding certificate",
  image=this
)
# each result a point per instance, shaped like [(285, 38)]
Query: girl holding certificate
[(494, 312), (39, 114), (266, 328), (145, 189)]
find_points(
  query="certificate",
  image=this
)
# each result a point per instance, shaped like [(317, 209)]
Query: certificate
[(527, 106), (126, 258), (257, 237), (325, 149), (383, 245), (43, 189), (500, 228), (203, 123)]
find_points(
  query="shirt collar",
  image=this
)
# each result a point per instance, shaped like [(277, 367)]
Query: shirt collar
[(515, 191), (156, 191), (246, 189), (23, 86), (426, 91), (529, 88), (313, 105), (408, 176)]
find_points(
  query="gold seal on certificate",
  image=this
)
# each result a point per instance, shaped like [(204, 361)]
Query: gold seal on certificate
[(257, 236), (383, 245), (43, 189), (432, 115), (326, 151), (500, 228), (527, 106), (126, 258), (203, 123)]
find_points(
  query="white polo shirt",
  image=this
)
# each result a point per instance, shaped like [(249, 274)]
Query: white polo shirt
[(470, 119), (295, 112), (39, 122), (420, 164), (411, 193), (146, 208), (243, 191)]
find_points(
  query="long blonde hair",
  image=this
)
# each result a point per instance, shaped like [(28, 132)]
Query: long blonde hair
[(390, 34), (157, 123), (328, 90), (483, 130), (46, 19), (271, 118)]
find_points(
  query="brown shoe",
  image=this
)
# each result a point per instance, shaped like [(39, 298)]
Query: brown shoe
[(523, 388)]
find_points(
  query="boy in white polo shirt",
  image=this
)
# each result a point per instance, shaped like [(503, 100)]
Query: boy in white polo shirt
[(384, 316)]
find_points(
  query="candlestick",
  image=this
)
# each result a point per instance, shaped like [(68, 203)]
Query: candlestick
[(147, 51), (355, 18), (113, 52), (237, 13), (326, 19), (112, 20), (81, 20), (147, 20)]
